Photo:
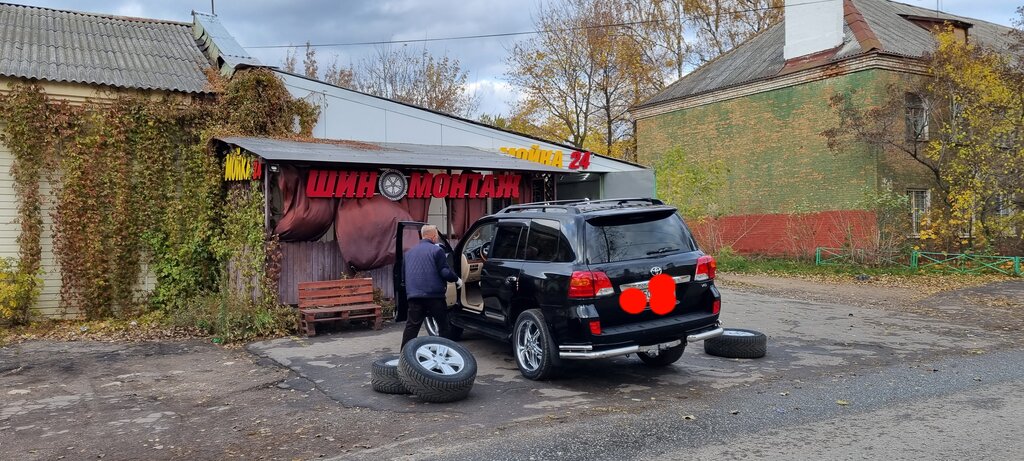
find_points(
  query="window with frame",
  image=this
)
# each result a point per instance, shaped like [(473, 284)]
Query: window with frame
[(916, 117), (506, 242), (1004, 205), (547, 242), (474, 246), (920, 201)]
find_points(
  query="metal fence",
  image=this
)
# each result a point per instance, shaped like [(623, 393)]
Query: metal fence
[(961, 263)]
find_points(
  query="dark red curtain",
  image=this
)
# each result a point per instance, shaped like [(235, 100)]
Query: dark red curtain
[(526, 189), (465, 212), (366, 229), (418, 208), (305, 219)]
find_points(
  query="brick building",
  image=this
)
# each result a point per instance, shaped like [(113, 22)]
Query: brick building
[(760, 110)]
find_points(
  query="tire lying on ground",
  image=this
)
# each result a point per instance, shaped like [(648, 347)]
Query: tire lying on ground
[(737, 343), (436, 369), (384, 376)]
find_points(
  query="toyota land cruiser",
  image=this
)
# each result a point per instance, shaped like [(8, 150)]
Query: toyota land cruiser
[(547, 277)]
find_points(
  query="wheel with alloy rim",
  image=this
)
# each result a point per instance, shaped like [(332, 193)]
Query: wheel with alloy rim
[(662, 357), (437, 369), (738, 343), (434, 328), (384, 376), (533, 346)]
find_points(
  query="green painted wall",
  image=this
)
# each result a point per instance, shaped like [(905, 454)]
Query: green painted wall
[(771, 143)]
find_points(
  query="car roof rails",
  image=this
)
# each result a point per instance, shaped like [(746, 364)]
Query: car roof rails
[(576, 204)]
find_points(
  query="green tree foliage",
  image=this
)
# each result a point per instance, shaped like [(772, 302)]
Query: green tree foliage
[(695, 187)]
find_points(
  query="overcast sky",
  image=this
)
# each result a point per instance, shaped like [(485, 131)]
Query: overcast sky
[(268, 22)]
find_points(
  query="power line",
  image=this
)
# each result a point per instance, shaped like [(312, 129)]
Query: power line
[(525, 32)]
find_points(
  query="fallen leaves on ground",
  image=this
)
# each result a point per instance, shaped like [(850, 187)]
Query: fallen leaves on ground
[(145, 328)]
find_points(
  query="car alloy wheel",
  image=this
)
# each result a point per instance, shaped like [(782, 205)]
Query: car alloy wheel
[(432, 327), (440, 359), (436, 369), (528, 349)]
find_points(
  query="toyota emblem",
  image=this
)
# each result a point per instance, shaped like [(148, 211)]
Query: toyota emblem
[(655, 270)]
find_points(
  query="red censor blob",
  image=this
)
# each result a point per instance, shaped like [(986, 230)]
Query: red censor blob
[(663, 294), (632, 300)]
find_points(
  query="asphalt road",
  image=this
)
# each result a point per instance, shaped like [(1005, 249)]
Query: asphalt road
[(958, 408), (918, 378)]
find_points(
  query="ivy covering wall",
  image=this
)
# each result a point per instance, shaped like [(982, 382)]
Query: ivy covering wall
[(137, 185)]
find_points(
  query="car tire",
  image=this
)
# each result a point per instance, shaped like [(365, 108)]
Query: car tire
[(454, 332), (384, 376), (737, 343), (437, 369), (664, 357), (533, 347)]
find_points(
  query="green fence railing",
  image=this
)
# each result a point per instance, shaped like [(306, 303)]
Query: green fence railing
[(845, 256), (962, 263), (966, 263)]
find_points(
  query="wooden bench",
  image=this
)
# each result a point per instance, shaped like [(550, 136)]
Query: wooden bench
[(337, 300)]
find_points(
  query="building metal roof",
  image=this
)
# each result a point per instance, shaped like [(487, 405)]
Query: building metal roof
[(122, 52), (871, 25), (385, 154), (217, 42)]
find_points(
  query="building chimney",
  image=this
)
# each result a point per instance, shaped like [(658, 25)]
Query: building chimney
[(812, 26)]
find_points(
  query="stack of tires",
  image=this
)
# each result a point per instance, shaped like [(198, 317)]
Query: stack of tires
[(433, 368)]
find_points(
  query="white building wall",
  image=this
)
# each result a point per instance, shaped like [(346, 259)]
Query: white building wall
[(48, 303), (10, 228), (347, 114)]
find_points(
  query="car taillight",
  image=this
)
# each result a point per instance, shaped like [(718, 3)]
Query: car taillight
[(587, 284), (716, 306), (706, 266), (595, 327)]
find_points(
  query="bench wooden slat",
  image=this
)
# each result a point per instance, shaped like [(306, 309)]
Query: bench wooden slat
[(348, 317), (334, 291), (337, 300), (355, 307), (337, 284)]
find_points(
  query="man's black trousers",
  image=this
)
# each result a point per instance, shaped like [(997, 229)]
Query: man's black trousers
[(420, 308)]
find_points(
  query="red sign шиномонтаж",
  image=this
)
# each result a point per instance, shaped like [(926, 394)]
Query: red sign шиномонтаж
[(363, 184)]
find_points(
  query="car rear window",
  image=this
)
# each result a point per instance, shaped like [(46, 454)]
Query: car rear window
[(635, 236)]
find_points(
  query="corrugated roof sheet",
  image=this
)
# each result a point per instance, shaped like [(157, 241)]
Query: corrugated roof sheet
[(385, 154), (762, 55), (68, 46), (209, 31)]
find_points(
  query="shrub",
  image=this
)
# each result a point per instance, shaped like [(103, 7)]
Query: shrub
[(18, 290)]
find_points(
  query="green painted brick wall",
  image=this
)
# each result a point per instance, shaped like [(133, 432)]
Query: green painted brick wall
[(771, 143)]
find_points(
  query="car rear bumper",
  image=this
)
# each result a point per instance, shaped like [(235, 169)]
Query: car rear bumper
[(587, 352)]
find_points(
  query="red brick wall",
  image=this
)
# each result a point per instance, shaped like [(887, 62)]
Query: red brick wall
[(786, 234)]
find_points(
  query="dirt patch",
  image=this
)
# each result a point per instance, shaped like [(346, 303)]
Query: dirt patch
[(993, 303), (820, 290), (169, 400)]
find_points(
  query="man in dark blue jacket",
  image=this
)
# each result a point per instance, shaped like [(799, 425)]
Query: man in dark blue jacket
[(426, 280)]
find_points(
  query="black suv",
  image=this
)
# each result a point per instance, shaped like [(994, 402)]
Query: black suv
[(548, 277)]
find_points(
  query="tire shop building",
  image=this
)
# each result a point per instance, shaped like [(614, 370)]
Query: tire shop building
[(335, 203)]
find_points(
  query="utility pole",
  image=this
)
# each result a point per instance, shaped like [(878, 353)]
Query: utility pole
[(213, 11)]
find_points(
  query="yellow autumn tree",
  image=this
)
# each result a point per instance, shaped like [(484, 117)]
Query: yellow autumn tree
[(964, 122)]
